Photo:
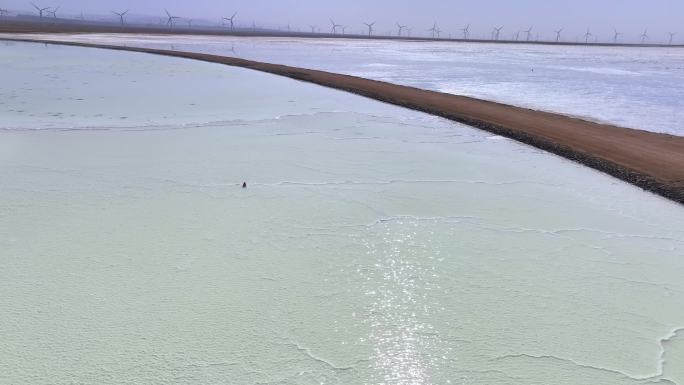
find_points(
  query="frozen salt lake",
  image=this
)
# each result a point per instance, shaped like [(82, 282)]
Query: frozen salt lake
[(374, 245), (631, 87)]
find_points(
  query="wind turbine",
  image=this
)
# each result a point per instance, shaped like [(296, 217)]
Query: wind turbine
[(53, 12), (344, 29), (672, 35), (587, 36), (434, 30), (400, 29), (334, 27), (558, 34), (121, 15), (528, 32), (466, 32), (40, 10), (231, 20), (644, 36), (370, 28), (313, 28), (3, 12), (516, 36), (616, 36), (170, 19), (497, 32)]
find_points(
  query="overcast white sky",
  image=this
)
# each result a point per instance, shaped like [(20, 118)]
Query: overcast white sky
[(628, 16)]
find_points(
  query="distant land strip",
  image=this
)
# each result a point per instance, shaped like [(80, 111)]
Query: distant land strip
[(60, 25), (652, 161)]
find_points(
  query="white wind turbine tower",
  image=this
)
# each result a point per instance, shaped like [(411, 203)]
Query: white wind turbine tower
[(558, 34), (466, 32), (370, 28), (400, 29), (497, 32), (516, 36), (434, 30), (121, 15), (672, 35), (40, 10), (616, 36), (231, 20), (334, 27), (644, 36), (587, 36), (313, 28), (170, 20), (528, 32)]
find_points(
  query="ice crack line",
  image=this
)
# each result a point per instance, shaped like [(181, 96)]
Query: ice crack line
[(406, 181), (311, 355), (663, 349), (658, 376)]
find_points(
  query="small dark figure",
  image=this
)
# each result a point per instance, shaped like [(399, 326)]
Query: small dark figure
[(244, 184)]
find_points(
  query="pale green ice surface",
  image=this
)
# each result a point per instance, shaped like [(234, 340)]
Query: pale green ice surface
[(374, 245), (143, 90)]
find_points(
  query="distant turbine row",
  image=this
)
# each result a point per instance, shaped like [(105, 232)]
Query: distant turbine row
[(402, 30), (46, 10)]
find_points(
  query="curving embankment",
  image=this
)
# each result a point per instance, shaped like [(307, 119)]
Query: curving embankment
[(652, 161)]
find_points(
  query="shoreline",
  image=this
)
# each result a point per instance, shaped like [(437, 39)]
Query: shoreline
[(651, 161)]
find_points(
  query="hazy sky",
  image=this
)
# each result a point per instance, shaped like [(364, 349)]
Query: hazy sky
[(629, 16)]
